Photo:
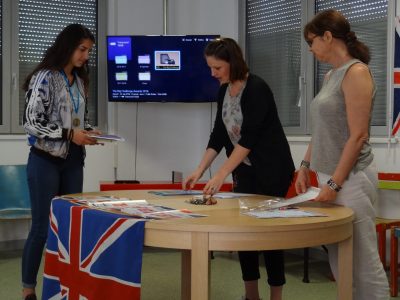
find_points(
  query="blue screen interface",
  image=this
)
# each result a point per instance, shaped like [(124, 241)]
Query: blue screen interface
[(159, 69)]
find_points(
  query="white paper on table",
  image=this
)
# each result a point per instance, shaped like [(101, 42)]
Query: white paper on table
[(310, 194), (284, 213), (228, 195), (118, 203)]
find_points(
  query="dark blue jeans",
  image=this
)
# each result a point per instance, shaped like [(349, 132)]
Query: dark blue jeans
[(47, 177)]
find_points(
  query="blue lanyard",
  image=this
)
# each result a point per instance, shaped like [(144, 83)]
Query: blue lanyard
[(74, 103)]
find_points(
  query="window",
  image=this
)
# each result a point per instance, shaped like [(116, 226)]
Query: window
[(273, 47), (368, 20), (34, 24), (276, 51)]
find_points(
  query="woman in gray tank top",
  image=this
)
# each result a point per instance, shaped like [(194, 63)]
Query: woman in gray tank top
[(339, 150)]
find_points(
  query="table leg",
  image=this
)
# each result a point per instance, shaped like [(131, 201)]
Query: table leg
[(186, 274), (345, 265), (200, 283)]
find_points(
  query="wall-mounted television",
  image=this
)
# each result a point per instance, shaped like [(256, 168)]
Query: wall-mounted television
[(159, 68)]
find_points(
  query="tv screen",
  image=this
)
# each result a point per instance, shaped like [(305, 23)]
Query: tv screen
[(147, 68)]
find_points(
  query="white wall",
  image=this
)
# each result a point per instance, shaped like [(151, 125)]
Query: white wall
[(162, 137)]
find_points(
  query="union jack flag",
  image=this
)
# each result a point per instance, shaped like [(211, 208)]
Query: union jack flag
[(396, 71), (92, 254)]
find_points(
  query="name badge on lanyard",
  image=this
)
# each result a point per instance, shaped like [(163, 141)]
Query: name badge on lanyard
[(75, 103)]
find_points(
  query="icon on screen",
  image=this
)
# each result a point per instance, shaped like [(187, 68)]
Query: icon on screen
[(144, 76), (169, 60), (121, 59), (121, 76), (144, 59), (165, 59)]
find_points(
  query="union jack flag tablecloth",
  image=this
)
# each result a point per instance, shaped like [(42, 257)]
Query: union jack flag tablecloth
[(396, 71), (92, 254)]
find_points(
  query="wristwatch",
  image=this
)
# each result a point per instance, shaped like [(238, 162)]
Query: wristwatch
[(333, 185), (305, 164)]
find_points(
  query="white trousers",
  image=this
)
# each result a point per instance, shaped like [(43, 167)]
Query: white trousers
[(359, 192)]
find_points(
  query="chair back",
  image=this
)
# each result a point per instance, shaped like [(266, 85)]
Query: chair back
[(14, 192), (387, 206)]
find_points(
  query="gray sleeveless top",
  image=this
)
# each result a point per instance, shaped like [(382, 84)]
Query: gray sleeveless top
[(329, 127)]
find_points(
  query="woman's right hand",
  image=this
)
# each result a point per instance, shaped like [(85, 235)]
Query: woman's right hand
[(302, 180), (189, 182), (81, 137)]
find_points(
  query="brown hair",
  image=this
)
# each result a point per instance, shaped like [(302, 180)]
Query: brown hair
[(334, 22), (228, 50)]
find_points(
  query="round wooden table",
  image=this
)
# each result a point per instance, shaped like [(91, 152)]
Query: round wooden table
[(226, 229)]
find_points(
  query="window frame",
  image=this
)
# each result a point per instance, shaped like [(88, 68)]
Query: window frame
[(10, 69), (308, 69)]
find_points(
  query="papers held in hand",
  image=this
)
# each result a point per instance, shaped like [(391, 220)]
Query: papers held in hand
[(310, 194), (107, 137), (275, 203), (271, 208)]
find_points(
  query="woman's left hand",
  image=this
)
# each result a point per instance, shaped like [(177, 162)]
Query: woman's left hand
[(326, 194)]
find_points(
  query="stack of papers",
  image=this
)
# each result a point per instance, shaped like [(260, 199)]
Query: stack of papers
[(284, 213), (115, 204), (230, 195), (197, 192), (176, 192), (136, 208), (161, 212), (107, 137)]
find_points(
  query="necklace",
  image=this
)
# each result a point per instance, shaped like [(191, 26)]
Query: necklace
[(75, 103)]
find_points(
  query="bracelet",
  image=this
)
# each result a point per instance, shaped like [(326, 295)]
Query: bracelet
[(333, 185), (305, 164)]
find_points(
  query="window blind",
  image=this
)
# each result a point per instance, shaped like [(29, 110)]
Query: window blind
[(368, 19), (39, 23), (273, 32)]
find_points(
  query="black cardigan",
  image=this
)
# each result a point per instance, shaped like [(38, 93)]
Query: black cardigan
[(261, 133)]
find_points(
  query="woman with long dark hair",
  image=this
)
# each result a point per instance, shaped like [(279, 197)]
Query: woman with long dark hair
[(57, 126)]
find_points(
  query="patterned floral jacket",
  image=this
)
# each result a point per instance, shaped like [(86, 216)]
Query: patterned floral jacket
[(48, 112)]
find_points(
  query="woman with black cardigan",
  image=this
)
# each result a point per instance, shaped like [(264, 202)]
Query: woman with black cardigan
[(248, 127)]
